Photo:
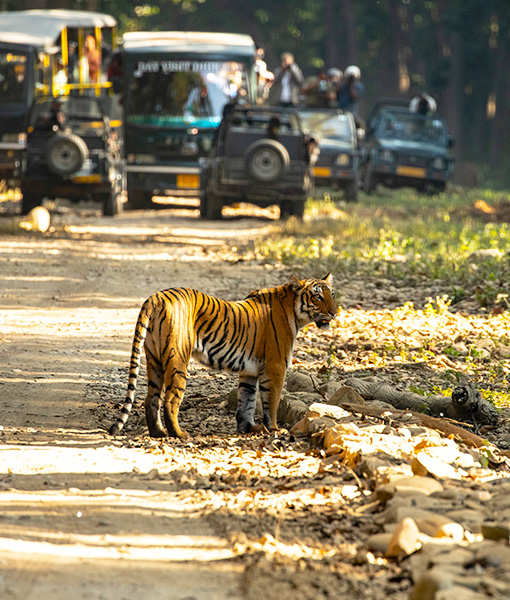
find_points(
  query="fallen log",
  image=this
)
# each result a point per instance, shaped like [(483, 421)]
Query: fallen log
[(465, 404), (443, 425)]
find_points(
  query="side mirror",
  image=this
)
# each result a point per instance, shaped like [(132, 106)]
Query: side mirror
[(451, 141)]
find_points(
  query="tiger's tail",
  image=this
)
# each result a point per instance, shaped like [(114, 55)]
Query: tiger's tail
[(134, 366)]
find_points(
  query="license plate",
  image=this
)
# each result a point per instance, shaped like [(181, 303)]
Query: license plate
[(411, 171), (95, 178), (322, 171), (188, 181)]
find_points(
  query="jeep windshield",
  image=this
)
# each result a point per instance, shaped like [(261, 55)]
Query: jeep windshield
[(408, 126), (13, 80), (182, 92), (328, 126), (75, 110)]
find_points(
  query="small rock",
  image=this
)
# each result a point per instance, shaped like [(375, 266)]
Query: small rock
[(439, 526), (299, 382), (496, 531), (346, 394), (425, 463), (379, 542), (408, 485), (487, 253), (404, 540), (152, 474), (432, 582), (470, 519)]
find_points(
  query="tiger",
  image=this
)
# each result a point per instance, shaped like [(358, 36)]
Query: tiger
[(253, 337)]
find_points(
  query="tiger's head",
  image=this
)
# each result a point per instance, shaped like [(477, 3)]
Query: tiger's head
[(315, 300)]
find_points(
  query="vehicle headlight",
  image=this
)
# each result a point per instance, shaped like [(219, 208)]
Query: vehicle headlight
[(438, 163), (16, 138), (343, 160), (386, 155)]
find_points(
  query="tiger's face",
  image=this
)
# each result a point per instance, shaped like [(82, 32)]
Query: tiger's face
[(316, 301)]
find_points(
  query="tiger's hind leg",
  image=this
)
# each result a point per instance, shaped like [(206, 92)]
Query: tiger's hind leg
[(246, 396), (174, 387), (153, 400), (271, 384)]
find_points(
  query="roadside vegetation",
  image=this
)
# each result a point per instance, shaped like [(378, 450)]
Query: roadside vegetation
[(446, 260), (460, 239)]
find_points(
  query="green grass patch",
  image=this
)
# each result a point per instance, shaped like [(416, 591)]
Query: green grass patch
[(403, 235)]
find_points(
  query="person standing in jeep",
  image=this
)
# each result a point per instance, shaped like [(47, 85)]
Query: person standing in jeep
[(288, 79)]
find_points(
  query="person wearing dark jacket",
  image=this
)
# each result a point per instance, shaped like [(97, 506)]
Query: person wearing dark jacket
[(288, 80)]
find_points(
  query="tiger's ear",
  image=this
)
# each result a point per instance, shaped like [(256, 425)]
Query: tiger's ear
[(296, 285), (328, 278)]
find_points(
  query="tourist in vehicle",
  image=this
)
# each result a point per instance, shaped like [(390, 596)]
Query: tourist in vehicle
[(319, 92), (423, 105), (60, 78), (93, 57), (351, 90), (288, 79), (264, 76), (53, 119)]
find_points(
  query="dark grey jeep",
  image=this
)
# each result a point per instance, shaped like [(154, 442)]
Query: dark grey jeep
[(72, 152), (262, 156), (406, 149)]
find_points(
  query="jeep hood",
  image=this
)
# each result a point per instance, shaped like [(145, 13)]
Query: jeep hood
[(418, 148)]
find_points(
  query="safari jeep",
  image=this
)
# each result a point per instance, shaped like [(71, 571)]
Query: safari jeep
[(72, 152), (406, 149), (261, 156)]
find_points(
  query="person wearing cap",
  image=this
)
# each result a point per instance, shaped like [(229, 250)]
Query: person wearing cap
[(351, 91)]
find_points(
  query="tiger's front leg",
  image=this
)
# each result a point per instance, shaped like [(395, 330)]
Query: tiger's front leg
[(246, 396)]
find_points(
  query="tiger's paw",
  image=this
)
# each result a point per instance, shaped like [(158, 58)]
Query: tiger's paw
[(257, 429), (158, 433)]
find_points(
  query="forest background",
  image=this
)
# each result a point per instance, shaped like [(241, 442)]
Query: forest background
[(456, 50)]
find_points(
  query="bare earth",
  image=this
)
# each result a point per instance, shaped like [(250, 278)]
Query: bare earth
[(85, 516)]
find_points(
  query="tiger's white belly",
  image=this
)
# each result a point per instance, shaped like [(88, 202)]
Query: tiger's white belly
[(246, 366)]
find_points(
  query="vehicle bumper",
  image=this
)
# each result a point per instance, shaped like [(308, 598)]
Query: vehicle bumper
[(175, 180), (230, 180), (65, 188), (404, 175), (327, 176), (10, 162)]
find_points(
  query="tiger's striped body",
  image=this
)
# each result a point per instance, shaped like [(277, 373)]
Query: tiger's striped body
[(253, 337)]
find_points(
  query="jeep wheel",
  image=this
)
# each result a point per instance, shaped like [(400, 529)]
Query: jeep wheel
[(28, 202), (111, 204), (266, 160), (65, 153), (292, 208), (369, 180), (351, 191), (210, 206), (138, 200)]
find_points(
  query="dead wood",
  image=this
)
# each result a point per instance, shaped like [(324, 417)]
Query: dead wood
[(443, 425), (465, 404)]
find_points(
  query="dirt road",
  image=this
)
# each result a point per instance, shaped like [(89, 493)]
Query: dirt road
[(218, 516), (83, 515)]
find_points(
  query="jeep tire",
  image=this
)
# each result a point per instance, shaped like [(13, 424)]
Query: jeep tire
[(351, 191), (65, 153), (210, 205), (292, 208), (369, 180), (29, 201), (266, 160)]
